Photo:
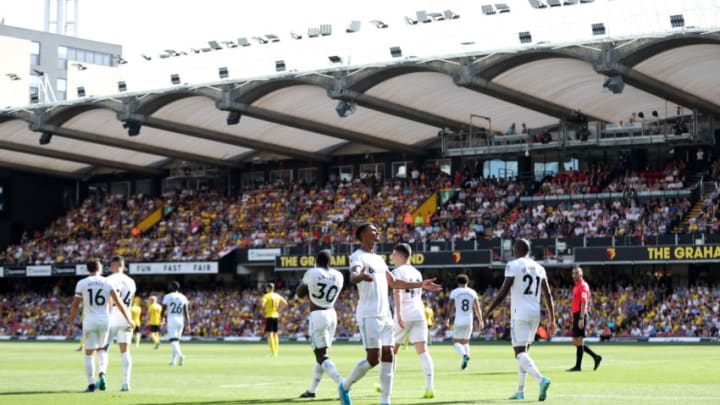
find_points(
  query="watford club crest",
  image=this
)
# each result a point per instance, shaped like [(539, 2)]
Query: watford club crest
[(610, 253), (456, 257)]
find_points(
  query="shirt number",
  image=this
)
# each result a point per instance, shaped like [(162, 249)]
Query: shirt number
[(328, 295), (529, 287)]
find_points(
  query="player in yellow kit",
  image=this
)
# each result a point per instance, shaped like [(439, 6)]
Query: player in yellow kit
[(136, 312), (429, 315), (270, 304), (154, 320)]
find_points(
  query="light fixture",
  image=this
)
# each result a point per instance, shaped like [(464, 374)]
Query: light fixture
[(223, 72), (45, 138), (615, 84), (335, 59), (175, 78), (378, 24), (120, 60), (122, 86), (525, 37), (133, 127), (280, 65), (345, 109), (677, 21), (243, 41), (81, 91), (313, 32), (233, 118), (80, 66), (12, 76), (295, 35), (451, 15), (598, 29), (395, 52), (325, 29), (146, 57), (214, 45), (353, 27)]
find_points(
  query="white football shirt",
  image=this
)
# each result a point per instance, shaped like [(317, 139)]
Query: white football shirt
[(372, 295), (464, 298), (411, 298), (176, 303), (526, 289), (125, 288), (324, 286), (95, 293)]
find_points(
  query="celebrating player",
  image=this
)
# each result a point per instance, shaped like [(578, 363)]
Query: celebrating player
[(270, 304), (321, 285), (125, 288), (580, 304), (464, 301), (369, 272), (94, 293), (526, 280), (177, 314), (410, 321)]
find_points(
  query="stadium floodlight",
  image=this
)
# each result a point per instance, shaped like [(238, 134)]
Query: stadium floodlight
[(395, 51), (451, 15), (81, 91), (437, 16), (233, 118), (260, 40), (133, 127), (554, 3), (230, 44), (502, 8), (353, 27), (45, 138), (122, 86), (80, 66), (598, 29), (345, 109), (146, 57), (243, 41), (525, 37), (488, 9), (378, 24), (175, 78), (410, 21), (325, 29), (12, 76), (272, 38), (677, 21), (335, 59), (295, 35), (422, 17), (214, 45), (313, 32), (615, 84), (223, 72), (280, 65)]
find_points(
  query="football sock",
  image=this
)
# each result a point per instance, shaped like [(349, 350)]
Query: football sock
[(317, 375), (522, 378), (102, 361), (137, 340), (176, 348), (276, 342), (127, 367), (386, 381), (529, 365), (89, 369), (271, 344), (460, 349), (578, 356), (358, 372), (427, 363), (589, 351), (466, 346), (155, 338), (330, 369)]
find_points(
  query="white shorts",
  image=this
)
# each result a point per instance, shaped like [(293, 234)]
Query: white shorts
[(523, 331), (123, 333), (175, 329), (462, 332), (95, 334), (376, 332), (416, 331), (322, 327)]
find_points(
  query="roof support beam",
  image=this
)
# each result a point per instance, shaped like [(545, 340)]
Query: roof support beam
[(42, 171), (320, 128), (74, 157)]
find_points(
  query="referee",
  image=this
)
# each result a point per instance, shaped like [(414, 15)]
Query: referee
[(580, 301)]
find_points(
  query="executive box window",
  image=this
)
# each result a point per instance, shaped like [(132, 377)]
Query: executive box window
[(35, 53)]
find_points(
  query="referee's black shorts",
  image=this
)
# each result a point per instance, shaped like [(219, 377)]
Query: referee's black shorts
[(271, 325), (576, 331)]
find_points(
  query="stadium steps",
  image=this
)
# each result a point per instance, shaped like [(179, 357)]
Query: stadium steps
[(693, 213)]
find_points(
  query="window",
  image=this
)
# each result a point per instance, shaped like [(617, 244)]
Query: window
[(308, 175), (252, 179), (62, 57), (61, 89), (342, 173), (372, 169), (443, 165), (282, 175), (402, 169), (35, 53), (499, 168)]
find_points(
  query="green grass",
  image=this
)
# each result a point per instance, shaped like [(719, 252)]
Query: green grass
[(220, 374)]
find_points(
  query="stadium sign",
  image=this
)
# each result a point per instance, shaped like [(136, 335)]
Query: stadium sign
[(448, 259), (64, 271), (262, 255), (650, 254), (2, 272), (173, 268), (38, 271), (14, 272)]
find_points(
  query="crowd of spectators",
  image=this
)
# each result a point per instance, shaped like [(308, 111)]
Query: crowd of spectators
[(622, 310)]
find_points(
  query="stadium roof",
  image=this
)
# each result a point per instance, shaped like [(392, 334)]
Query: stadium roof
[(400, 107)]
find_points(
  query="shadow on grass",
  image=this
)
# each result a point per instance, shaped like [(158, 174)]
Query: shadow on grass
[(232, 402), (11, 393)]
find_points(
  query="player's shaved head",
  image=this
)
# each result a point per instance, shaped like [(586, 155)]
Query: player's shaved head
[(323, 258), (521, 248), (174, 286)]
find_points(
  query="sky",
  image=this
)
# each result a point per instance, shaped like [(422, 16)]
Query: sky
[(153, 25)]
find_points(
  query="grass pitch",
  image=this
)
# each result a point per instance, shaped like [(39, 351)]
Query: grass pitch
[(226, 373)]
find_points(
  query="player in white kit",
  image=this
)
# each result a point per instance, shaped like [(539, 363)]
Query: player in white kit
[(526, 281), (321, 285), (369, 272), (177, 316), (464, 302), (410, 318), (95, 294), (125, 288)]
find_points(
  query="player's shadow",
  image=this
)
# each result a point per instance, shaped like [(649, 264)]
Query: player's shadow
[(11, 393), (231, 402)]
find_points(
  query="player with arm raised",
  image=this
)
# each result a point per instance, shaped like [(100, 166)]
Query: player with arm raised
[(464, 303), (410, 321), (125, 288), (322, 286), (177, 315), (95, 295), (526, 281), (369, 272)]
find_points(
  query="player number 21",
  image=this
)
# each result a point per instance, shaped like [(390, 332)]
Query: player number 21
[(529, 280)]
